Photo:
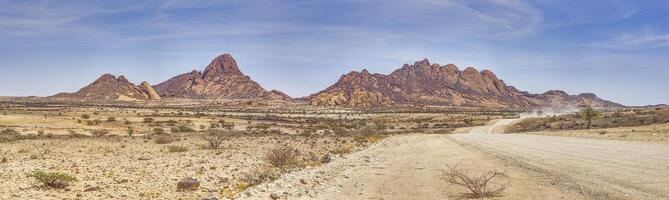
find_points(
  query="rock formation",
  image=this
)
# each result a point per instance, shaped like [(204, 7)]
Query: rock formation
[(108, 87), (221, 79), (433, 84)]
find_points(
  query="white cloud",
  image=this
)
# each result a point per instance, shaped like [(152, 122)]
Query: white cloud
[(632, 40)]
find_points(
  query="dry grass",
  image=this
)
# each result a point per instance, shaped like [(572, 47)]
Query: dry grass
[(610, 119)]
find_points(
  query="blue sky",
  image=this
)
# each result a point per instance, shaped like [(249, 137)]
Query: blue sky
[(616, 49)]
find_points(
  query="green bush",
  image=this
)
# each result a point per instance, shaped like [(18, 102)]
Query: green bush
[(52, 179)]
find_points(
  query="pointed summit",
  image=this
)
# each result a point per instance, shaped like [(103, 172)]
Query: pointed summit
[(106, 77), (122, 78), (223, 65), (222, 79)]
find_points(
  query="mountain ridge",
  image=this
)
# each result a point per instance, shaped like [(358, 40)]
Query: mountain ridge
[(433, 84)]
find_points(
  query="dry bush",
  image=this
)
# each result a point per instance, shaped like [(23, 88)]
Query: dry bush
[(52, 179), (100, 133), (216, 137), (481, 186), (163, 139), (9, 135), (282, 157), (182, 129)]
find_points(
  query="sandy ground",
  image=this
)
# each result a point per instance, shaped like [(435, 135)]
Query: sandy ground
[(601, 169), (404, 167), (135, 168)]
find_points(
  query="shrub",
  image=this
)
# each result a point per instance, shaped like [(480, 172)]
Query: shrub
[(111, 119), (216, 137), (130, 131), (52, 179), (9, 135), (282, 157), (74, 134), (100, 132), (85, 116), (182, 129), (479, 187), (164, 139), (174, 149), (149, 120), (158, 131)]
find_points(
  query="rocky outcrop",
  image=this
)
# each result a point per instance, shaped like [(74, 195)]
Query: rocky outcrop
[(108, 87), (433, 84), (221, 79), (148, 89)]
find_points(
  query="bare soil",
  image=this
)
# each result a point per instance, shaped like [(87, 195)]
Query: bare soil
[(405, 167), (600, 169)]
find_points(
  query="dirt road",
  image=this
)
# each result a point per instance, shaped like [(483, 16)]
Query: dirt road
[(404, 167), (602, 169)]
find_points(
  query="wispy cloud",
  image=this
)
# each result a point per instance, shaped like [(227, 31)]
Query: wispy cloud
[(634, 40)]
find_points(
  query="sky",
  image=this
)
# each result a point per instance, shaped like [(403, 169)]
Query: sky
[(616, 49)]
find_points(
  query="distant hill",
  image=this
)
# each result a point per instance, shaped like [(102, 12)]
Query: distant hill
[(108, 87), (433, 84)]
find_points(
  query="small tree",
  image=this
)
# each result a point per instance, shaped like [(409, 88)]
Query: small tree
[(588, 113)]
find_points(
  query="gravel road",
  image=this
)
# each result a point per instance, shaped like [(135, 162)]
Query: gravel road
[(601, 169), (404, 167)]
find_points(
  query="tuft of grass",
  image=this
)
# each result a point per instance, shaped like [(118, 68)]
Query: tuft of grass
[(176, 149), (55, 180), (231, 191), (343, 149)]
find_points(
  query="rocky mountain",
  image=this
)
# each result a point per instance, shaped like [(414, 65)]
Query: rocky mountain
[(433, 84), (108, 87), (221, 79)]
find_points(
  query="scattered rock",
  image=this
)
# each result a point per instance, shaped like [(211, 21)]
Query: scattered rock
[(188, 183), (91, 189)]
